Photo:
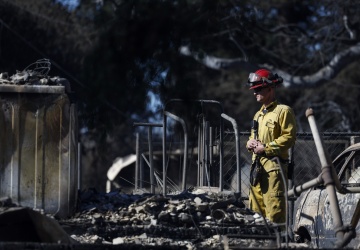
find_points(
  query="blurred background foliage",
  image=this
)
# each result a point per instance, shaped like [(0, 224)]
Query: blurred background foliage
[(124, 60)]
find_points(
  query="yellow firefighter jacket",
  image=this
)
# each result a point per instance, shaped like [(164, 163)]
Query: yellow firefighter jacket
[(277, 130)]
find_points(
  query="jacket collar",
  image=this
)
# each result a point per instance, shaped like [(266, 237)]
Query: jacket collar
[(269, 107)]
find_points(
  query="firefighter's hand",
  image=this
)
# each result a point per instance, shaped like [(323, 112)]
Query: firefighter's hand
[(259, 149), (251, 144)]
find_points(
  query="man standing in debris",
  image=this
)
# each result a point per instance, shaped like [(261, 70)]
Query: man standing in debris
[(272, 134)]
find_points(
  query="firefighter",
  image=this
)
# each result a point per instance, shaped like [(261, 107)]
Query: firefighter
[(269, 143)]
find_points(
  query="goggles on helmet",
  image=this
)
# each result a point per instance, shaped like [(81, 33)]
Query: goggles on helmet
[(255, 79)]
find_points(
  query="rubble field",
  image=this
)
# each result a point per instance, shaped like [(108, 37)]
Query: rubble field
[(194, 219)]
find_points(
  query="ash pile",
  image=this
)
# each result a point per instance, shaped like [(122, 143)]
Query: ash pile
[(191, 220)]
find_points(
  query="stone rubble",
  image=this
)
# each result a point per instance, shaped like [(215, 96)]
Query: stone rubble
[(194, 219), (189, 220)]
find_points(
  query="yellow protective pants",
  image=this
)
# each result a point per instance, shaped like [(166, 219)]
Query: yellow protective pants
[(267, 197)]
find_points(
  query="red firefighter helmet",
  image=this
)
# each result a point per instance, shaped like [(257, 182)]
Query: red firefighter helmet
[(263, 78)]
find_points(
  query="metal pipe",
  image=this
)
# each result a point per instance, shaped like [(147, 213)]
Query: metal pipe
[(152, 176), (164, 153), (353, 189), (211, 153), (137, 163), (176, 118), (145, 124), (206, 154), (323, 155), (79, 165), (297, 190), (328, 177), (108, 186), (203, 147), (141, 172), (237, 142), (199, 156), (290, 185), (221, 170)]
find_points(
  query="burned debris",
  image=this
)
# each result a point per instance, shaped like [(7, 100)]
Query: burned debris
[(193, 219), (36, 74)]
